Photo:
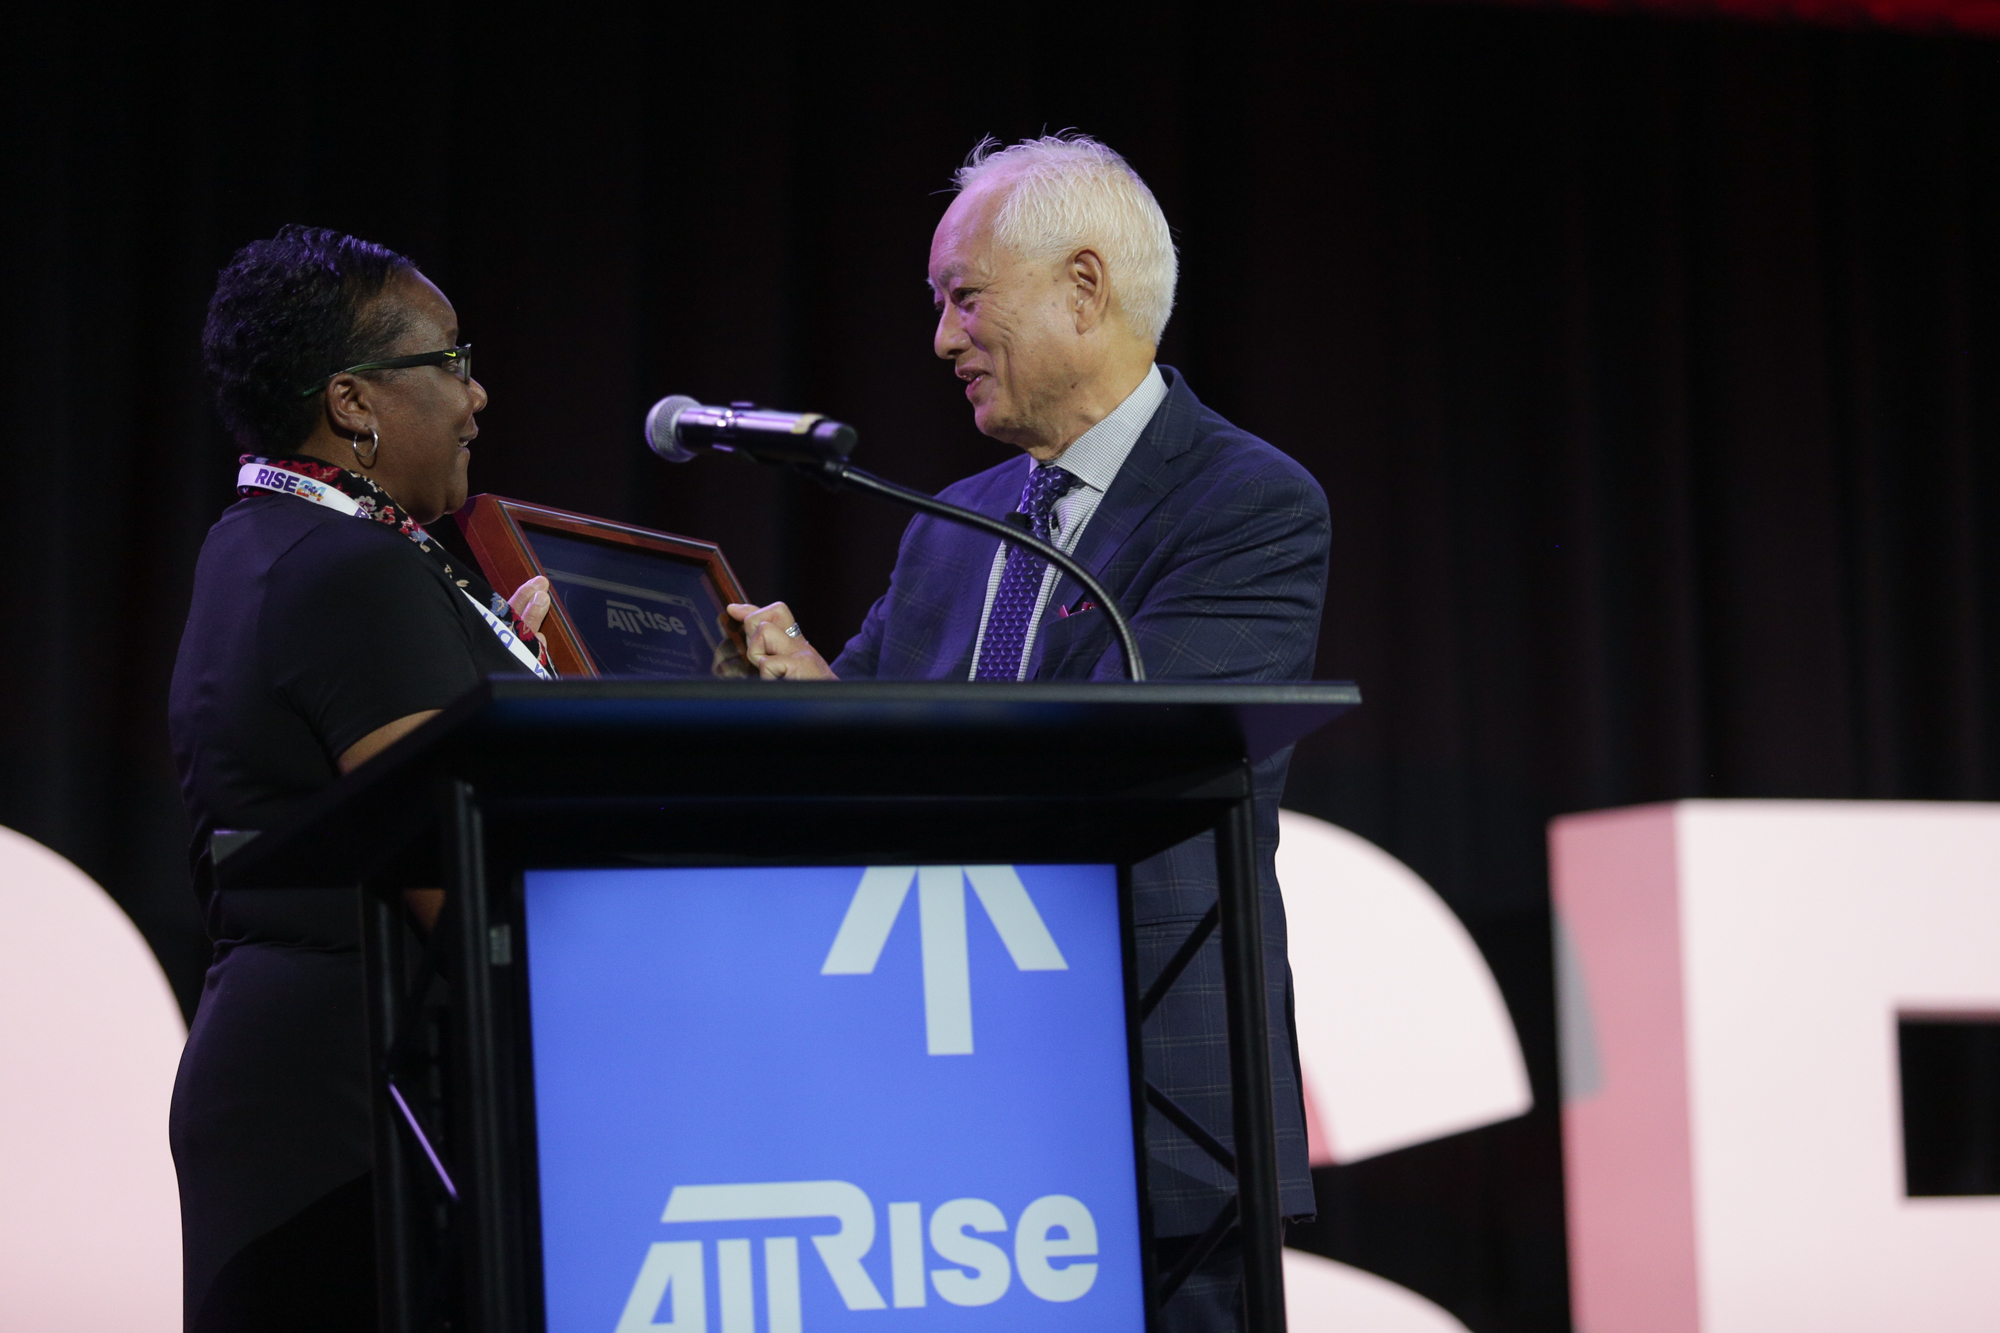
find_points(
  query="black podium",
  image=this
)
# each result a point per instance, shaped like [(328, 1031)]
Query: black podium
[(546, 811)]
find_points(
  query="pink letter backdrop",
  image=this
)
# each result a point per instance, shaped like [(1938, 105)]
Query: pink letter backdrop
[(1731, 975), (90, 1228)]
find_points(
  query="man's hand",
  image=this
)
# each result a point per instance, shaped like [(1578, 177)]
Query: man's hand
[(530, 603), (776, 654)]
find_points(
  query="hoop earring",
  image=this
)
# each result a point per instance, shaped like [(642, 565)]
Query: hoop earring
[(376, 448)]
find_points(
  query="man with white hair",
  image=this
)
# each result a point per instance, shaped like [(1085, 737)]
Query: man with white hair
[(1053, 272)]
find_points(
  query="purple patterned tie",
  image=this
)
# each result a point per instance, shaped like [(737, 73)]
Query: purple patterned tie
[(1021, 580)]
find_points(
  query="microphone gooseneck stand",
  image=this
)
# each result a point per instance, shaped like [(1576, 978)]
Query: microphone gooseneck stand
[(678, 427), (839, 472)]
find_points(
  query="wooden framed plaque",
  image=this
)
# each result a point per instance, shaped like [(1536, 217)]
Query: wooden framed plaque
[(626, 601)]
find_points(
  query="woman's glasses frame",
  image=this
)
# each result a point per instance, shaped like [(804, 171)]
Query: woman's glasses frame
[(458, 360)]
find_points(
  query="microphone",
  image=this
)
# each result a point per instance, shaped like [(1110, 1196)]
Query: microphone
[(678, 426)]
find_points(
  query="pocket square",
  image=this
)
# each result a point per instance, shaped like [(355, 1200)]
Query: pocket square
[(1064, 612)]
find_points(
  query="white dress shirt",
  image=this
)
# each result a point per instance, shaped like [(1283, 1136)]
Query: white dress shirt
[(1093, 459)]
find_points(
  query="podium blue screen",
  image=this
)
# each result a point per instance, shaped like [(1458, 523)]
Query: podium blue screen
[(811, 1099)]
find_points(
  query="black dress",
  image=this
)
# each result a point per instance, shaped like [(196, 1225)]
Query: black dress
[(309, 629)]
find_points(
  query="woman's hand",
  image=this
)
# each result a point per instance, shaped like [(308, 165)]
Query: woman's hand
[(530, 603), (776, 654), (380, 739), (424, 905)]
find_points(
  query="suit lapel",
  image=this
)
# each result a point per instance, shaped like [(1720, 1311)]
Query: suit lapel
[(1148, 477), (1150, 473)]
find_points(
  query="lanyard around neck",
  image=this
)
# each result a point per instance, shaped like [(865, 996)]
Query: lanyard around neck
[(268, 477), (281, 481)]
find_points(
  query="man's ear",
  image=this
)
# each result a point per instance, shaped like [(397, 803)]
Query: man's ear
[(1090, 289), (347, 406)]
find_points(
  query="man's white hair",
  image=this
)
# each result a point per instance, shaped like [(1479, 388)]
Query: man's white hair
[(1069, 191)]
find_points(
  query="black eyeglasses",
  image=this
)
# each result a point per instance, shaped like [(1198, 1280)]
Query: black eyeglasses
[(458, 360)]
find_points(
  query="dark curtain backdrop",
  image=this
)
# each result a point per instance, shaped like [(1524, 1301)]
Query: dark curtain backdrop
[(1647, 366)]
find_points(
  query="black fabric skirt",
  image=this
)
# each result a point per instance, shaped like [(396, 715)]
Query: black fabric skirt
[(273, 1144)]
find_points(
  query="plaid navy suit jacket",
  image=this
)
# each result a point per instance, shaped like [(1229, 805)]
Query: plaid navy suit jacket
[(1215, 545)]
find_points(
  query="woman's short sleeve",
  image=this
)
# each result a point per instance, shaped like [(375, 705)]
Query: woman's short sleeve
[(359, 631)]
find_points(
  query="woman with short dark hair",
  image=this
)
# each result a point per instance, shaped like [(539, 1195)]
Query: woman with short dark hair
[(326, 623)]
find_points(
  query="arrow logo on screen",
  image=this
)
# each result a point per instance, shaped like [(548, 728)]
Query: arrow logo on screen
[(941, 913)]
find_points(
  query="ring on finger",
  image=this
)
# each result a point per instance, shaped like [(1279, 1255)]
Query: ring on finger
[(792, 631)]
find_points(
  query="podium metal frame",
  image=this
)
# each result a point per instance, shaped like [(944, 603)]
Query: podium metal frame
[(522, 774)]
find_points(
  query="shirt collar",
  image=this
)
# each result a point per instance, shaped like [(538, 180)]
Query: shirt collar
[(1096, 455)]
